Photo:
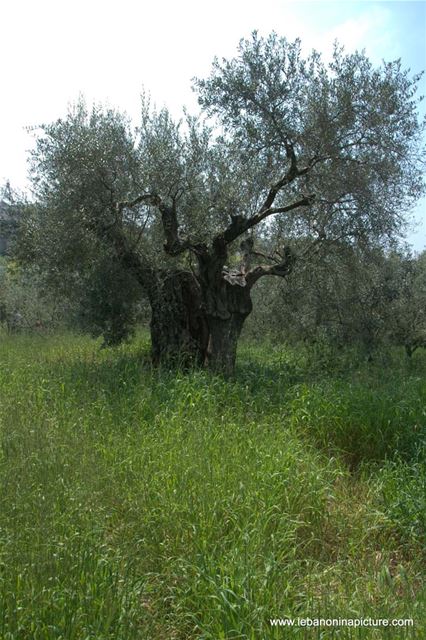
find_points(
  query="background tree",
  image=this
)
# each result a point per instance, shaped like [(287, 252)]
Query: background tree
[(297, 151), (348, 296), (26, 304), (407, 313), (11, 202)]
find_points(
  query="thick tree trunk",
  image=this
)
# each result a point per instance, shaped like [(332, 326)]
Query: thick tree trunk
[(192, 312), (224, 335), (227, 302), (197, 320), (190, 327), (179, 332)]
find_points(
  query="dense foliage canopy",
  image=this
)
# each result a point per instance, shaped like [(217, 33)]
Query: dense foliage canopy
[(289, 153)]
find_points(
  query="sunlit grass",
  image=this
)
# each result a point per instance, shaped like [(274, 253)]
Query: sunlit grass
[(138, 503)]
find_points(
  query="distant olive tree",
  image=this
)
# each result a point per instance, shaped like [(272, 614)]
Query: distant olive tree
[(366, 296), (407, 313), (25, 303)]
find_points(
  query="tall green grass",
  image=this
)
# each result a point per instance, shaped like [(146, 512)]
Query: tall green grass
[(138, 503)]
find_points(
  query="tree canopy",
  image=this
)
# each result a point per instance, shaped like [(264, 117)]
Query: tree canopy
[(288, 152)]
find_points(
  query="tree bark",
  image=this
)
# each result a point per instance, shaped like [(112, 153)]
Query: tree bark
[(227, 297), (224, 335), (197, 319), (226, 302), (179, 331)]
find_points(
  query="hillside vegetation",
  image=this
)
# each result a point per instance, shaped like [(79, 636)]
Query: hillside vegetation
[(143, 504)]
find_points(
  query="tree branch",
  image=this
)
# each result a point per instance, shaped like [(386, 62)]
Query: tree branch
[(149, 198), (281, 269), (173, 244), (240, 225), (290, 175)]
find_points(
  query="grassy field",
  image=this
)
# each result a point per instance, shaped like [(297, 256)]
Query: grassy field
[(138, 504)]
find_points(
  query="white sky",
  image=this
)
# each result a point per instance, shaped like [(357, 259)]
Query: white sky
[(50, 51)]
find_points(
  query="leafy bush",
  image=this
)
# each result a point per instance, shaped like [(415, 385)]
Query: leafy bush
[(26, 304)]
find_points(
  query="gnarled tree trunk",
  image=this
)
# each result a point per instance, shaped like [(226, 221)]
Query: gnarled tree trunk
[(227, 303), (197, 319), (224, 335), (179, 331), (227, 297)]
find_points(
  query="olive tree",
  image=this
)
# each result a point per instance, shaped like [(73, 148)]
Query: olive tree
[(293, 149), (341, 294), (407, 314)]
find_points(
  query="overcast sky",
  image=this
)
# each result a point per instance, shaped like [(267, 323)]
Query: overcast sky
[(52, 50)]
